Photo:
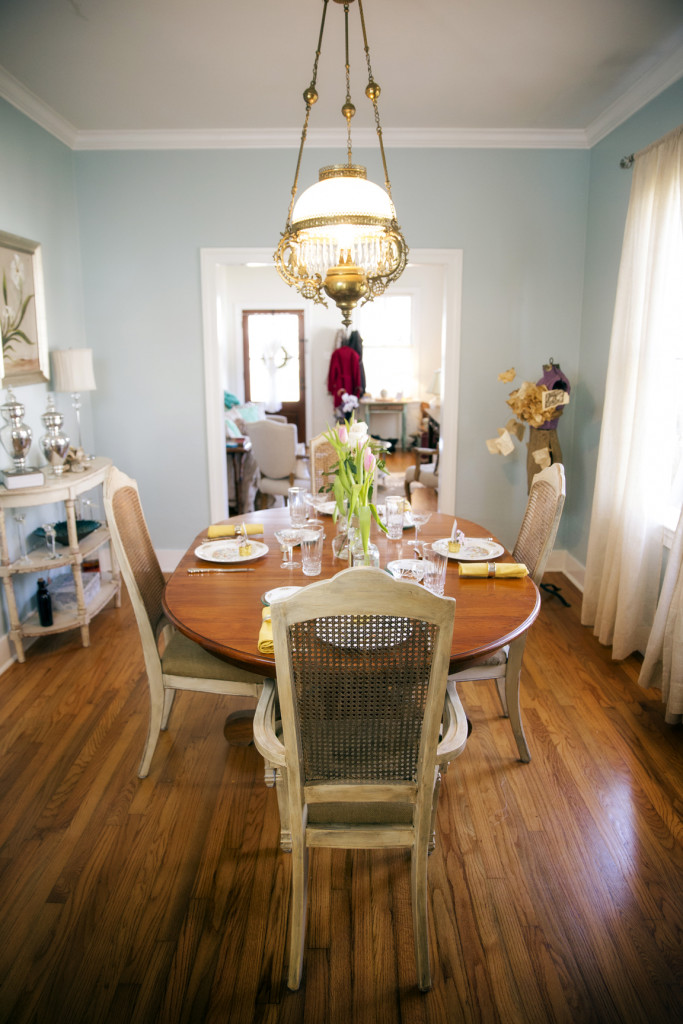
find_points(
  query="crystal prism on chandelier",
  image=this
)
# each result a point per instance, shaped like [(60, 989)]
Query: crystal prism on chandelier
[(342, 239)]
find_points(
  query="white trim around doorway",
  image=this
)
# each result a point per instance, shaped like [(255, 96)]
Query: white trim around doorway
[(211, 260)]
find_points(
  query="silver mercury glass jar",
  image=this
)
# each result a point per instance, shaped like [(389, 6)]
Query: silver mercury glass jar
[(16, 436), (54, 444)]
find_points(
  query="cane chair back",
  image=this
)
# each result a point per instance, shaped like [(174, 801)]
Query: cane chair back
[(172, 661), (533, 546), (322, 458), (361, 664)]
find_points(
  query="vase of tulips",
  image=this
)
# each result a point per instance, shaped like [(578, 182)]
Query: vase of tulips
[(358, 459)]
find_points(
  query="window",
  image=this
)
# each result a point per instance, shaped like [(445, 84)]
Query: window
[(389, 355)]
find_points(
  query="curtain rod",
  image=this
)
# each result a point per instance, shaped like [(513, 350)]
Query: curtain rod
[(626, 162)]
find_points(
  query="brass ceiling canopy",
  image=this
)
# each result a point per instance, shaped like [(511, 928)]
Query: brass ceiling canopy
[(341, 238)]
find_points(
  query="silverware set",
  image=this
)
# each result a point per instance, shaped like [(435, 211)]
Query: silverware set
[(193, 572)]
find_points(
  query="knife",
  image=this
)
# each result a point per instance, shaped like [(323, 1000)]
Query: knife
[(240, 569)]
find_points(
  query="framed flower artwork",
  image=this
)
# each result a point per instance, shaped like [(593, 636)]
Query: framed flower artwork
[(24, 358)]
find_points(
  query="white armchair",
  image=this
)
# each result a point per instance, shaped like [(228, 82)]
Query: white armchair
[(276, 451)]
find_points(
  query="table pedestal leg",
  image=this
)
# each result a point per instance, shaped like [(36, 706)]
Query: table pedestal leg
[(238, 728)]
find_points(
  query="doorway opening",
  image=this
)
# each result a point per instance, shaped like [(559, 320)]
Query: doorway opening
[(224, 273)]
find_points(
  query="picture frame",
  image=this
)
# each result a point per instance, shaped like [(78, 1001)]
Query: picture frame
[(24, 356)]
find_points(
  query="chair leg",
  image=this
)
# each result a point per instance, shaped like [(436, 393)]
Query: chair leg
[(418, 886), (512, 677), (169, 697), (157, 705), (435, 802), (297, 924)]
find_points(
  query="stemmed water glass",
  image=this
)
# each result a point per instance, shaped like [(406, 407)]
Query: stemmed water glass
[(420, 518), (286, 537)]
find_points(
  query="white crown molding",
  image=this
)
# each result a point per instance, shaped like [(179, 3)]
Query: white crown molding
[(28, 103), (646, 88), (396, 138)]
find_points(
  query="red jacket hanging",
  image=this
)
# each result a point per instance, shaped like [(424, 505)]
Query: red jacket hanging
[(344, 374)]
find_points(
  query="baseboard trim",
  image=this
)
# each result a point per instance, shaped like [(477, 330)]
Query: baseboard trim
[(7, 655), (562, 561)]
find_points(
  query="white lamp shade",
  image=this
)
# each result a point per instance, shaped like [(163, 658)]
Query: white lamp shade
[(72, 370)]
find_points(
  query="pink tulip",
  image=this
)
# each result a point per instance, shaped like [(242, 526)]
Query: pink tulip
[(343, 433), (368, 461)]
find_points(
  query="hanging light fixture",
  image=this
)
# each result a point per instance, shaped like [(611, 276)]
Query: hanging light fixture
[(341, 238)]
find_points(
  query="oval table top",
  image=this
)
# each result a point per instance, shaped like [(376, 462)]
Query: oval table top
[(222, 611)]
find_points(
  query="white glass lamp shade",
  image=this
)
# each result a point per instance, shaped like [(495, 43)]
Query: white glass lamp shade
[(342, 215), (72, 370)]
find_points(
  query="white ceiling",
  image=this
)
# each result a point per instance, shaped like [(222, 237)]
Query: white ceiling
[(109, 73)]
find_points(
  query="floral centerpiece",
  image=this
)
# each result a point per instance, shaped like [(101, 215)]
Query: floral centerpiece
[(358, 458)]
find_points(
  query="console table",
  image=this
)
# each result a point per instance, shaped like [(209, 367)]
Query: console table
[(67, 488), (384, 408)]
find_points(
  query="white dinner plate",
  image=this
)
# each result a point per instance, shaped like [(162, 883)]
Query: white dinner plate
[(410, 569), (472, 549), (279, 594), (326, 508), (228, 551)]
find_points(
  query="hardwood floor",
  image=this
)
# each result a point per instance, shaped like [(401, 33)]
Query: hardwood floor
[(556, 889)]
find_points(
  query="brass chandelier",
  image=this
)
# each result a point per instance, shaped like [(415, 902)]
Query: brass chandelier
[(341, 238)]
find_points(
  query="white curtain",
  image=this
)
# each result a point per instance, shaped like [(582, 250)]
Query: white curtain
[(633, 480), (663, 662)]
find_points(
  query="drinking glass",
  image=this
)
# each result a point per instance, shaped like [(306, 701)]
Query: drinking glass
[(435, 564), (394, 508), (296, 500), (286, 538), (312, 548), (420, 518)]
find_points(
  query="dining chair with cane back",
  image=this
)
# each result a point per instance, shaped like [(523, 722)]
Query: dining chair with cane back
[(322, 457), (357, 728), (275, 449), (173, 662), (533, 547)]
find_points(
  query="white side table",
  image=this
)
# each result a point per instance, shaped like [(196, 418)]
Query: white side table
[(66, 488)]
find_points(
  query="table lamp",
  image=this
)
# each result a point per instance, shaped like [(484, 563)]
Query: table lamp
[(72, 372)]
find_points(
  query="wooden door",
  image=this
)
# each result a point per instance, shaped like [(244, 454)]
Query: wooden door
[(274, 364)]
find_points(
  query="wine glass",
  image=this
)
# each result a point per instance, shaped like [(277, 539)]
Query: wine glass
[(286, 538), (19, 518), (420, 518)]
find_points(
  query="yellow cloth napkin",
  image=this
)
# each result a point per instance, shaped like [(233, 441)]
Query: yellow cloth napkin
[(265, 637), (509, 569), (228, 530)]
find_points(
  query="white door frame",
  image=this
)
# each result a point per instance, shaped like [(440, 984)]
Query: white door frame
[(212, 259)]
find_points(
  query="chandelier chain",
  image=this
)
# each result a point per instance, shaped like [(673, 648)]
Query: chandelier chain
[(348, 105), (373, 92), (310, 95)]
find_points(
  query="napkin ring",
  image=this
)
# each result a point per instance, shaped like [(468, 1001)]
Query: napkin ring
[(492, 569)]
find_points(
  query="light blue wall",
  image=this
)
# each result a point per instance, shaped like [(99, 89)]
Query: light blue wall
[(608, 202), (519, 217), (540, 233)]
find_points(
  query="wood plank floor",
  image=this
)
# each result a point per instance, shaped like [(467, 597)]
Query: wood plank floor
[(556, 889)]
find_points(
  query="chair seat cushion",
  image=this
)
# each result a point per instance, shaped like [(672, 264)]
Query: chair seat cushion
[(487, 668), (183, 657)]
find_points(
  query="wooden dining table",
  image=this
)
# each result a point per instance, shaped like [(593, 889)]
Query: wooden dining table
[(223, 611)]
